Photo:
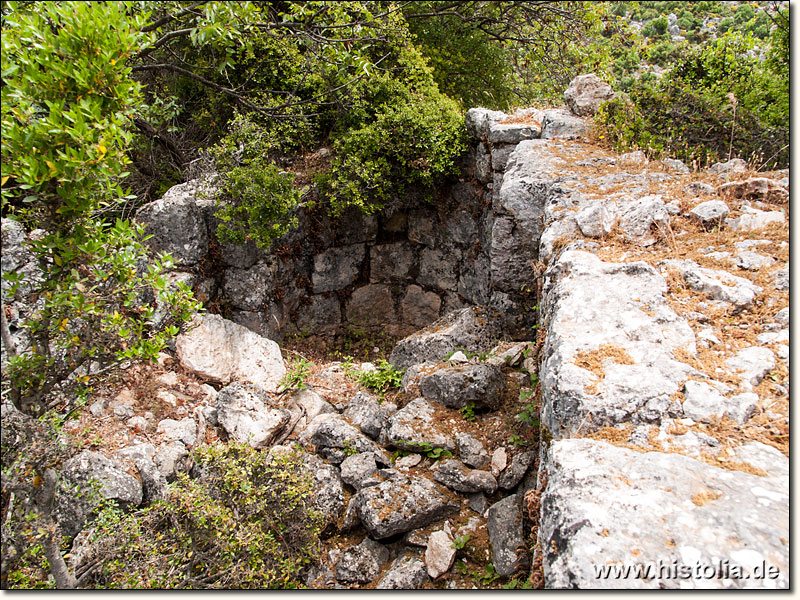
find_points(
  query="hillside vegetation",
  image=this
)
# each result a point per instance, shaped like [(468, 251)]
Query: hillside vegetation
[(289, 107)]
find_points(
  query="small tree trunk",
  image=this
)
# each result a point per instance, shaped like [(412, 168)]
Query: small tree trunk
[(65, 580)]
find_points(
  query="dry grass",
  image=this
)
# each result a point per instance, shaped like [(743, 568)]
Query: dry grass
[(704, 497)]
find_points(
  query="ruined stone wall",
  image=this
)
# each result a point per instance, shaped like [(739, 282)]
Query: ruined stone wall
[(397, 270)]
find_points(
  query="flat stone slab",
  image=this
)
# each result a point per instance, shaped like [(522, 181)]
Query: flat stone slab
[(614, 315), (610, 513)]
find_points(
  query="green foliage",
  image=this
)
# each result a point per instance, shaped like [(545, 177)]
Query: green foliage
[(383, 378), (487, 577), (460, 543), (66, 101), (516, 584), (258, 201), (715, 102), (433, 453), (296, 375), (529, 415), (412, 137), (245, 523), (468, 412)]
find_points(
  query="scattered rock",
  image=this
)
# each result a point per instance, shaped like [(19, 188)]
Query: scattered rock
[(393, 507), (184, 430), (780, 280), (222, 351), (360, 470), (247, 414), (717, 285), (755, 189), (675, 165), (754, 220), (440, 553), (641, 217), (415, 428), (710, 212), (406, 573), (456, 387), (471, 451), (365, 412), (504, 523), (752, 364), (361, 563), (513, 474), (586, 93), (80, 476), (782, 316), (456, 476)]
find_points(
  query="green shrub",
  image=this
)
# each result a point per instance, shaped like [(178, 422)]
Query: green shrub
[(67, 101), (410, 135), (245, 523), (715, 102), (383, 378)]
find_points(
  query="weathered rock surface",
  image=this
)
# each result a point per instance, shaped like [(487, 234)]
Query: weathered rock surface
[(360, 470), (480, 385), (455, 475), (401, 505), (471, 451), (370, 416), (622, 306), (439, 553), (81, 475), (606, 506), (415, 427), (755, 189), (504, 523), (405, 573), (248, 415), (223, 351), (559, 123), (513, 474), (473, 328), (177, 223), (331, 431), (710, 212), (337, 268), (586, 93), (184, 430), (361, 563), (718, 285)]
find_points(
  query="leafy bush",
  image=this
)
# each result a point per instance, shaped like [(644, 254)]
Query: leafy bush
[(715, 102), (67, 100), (403, 132), (245, 523)]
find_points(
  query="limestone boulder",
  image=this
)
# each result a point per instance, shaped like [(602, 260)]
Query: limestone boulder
[(400, 505), (223, 351), (586, 93), (176, 222), (479, 385), (249, 416), (474, 329), (607, 507)]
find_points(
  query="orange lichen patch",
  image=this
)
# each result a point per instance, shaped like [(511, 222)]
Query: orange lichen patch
[(703, 497)]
